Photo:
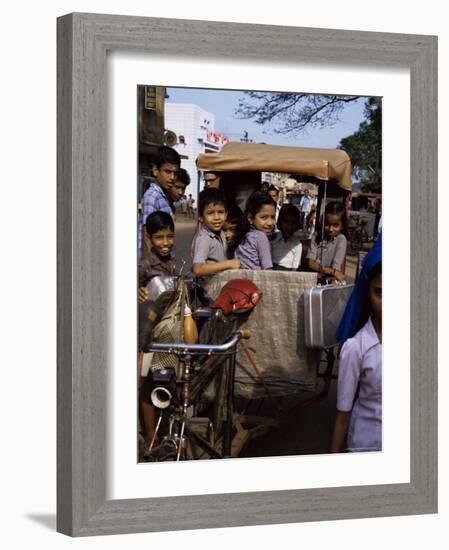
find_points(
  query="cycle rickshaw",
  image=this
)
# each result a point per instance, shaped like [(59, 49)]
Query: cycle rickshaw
[(292, 328)]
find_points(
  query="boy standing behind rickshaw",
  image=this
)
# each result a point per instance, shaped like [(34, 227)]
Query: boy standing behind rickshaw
[(165, 169)]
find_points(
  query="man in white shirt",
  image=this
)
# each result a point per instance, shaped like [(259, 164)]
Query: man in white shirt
[(304, 207)]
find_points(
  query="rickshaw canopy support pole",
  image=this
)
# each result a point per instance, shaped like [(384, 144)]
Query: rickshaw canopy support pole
[(230, 408)]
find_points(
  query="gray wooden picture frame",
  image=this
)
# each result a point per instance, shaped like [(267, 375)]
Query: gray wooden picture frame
[(83, 40)]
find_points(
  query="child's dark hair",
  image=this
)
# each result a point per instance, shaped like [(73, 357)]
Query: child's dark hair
[(235, 215), (210, 196), (184, 177), (273, 188), (166, 155), (254, 203), (288, 210), (366, 306), (333, 207), (157, 221)]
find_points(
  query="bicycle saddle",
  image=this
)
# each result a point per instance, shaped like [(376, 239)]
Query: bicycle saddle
[(237, 296)]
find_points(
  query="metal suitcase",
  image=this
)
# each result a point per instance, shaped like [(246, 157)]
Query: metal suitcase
[(324, 307)]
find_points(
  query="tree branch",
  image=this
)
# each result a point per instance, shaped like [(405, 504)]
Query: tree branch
[(287, 112)]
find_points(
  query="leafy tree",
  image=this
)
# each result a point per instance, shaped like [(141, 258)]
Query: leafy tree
[(291, 113), (365, 148)]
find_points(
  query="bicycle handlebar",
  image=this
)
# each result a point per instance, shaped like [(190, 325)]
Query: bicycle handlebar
[(182, 348)]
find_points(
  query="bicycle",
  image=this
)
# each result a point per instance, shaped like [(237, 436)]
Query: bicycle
[(179, 397)]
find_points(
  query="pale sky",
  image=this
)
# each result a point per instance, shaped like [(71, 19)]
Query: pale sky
[(222, 103)]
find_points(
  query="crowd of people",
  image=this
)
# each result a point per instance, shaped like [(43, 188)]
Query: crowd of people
[(266, 235)]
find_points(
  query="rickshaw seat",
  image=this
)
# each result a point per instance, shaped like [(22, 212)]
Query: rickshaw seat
[(277, 343)]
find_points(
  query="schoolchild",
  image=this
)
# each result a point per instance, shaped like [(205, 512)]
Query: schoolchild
[(209, 253), (358, 423), (273, 191), (233, 221), (254, 250), (177, 189), (165, 170), (161, 231), (286, 247), (328, 250)]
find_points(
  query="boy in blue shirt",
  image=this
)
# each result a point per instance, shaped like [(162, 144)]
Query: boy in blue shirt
[(156, 198)]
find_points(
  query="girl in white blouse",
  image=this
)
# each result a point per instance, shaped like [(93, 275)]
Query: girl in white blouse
[(286, 247), (358, 424)]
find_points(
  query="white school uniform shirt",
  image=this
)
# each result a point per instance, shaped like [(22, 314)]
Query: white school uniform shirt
[(361, 367), (286, 253)]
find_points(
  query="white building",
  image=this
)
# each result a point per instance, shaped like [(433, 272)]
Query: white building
[(195, 131)]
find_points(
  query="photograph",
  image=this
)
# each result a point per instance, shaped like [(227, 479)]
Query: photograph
[(259, 246), (236, 168)]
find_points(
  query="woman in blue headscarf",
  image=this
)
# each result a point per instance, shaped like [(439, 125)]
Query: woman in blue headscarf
[(358, 425)]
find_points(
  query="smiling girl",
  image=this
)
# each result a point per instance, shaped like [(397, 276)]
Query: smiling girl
[(254, 251), (286, 247), (328, 251)]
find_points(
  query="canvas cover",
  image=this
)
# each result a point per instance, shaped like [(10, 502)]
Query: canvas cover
[(168, 329), (277, 344), (324, 164)]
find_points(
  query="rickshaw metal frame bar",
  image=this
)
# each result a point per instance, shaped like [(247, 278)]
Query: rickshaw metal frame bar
[(83, 42), (227, 438), (207, 447), (180, 348)]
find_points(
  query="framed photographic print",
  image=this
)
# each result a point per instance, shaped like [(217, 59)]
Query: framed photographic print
[(122, 84), (205, 133)]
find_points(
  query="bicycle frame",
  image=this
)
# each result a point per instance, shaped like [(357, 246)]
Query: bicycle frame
[(186, 352)]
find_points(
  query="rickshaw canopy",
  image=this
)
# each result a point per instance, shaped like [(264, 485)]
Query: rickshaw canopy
[(324, 164)]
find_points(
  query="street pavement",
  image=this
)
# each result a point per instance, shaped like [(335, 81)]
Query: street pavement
[(185, 230)]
